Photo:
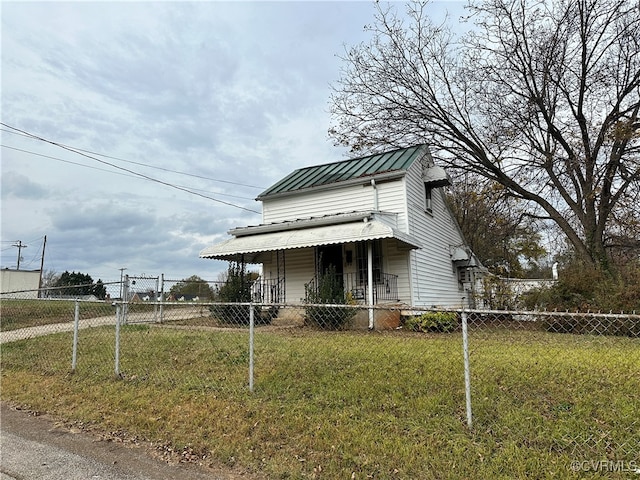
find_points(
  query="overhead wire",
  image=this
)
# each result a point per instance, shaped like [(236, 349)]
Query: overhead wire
[(112, 172), (141, 175), (37, 252), (28, 135)]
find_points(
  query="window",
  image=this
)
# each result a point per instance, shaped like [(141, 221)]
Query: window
[(427, 198), (464, 275)]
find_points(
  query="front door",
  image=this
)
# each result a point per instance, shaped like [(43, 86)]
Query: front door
[(329, 255)]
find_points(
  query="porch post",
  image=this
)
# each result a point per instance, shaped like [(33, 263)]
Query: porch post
[(370, 281)]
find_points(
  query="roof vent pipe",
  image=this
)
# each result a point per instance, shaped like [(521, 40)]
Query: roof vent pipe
[(375, 195)]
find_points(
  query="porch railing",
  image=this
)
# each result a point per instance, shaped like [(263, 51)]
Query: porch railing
[(385, 288), (268, 290)]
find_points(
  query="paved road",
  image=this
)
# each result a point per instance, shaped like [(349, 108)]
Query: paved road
[(37, 448)]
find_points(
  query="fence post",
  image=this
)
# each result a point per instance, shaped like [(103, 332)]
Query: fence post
[(370, 283), (251, 329), (467, 374), (125, 300), (155, 302), (119, 312), (76, 326), (161, 298)]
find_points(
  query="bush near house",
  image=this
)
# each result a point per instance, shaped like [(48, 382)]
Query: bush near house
[(442, 322), (237, 290), (328, 290)]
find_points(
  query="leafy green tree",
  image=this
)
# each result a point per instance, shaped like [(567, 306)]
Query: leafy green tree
[(77, 283), (99, 290), (193, 286), (236, 288), (237, 283)]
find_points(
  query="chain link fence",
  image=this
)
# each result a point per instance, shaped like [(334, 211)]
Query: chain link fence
[(563, 383), (574, 378)]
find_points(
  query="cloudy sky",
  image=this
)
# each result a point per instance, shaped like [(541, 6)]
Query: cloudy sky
[(218, 98)]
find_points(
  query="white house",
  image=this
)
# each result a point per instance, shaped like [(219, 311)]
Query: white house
[(381, 221)]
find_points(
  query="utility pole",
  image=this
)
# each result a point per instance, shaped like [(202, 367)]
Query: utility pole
[(44, 245), (20, 246)]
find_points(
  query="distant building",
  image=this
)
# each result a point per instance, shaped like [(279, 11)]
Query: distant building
[(19, 283)]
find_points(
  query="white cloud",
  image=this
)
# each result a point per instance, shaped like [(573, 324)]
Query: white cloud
[(233, 91)]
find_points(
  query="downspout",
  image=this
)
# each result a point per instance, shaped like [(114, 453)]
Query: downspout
[(370, 259), (370, 281), (375, 195)]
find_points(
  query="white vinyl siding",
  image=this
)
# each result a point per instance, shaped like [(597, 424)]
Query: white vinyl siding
[(317, 204), (300, 269), (392, 198), (435, 281), (352, 198), (396, 262), (426, 276)]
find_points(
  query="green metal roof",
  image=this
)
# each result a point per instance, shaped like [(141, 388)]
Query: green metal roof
[(308, 177)]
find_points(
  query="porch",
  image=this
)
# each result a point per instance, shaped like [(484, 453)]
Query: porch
[(385, 289), (358, 246)]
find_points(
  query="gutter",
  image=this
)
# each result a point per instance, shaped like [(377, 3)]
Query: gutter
[(305, 223)]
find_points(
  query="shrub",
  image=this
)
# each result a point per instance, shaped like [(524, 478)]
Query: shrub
[(433, 322), (584, 288), (328, 289), (497, 294), (236, 293), (238, 314)]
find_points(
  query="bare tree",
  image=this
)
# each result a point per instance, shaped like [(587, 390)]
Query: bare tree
[(540, 96), (505, 240), (49, 278)]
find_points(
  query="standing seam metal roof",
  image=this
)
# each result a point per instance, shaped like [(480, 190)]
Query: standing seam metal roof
[(307, 177)]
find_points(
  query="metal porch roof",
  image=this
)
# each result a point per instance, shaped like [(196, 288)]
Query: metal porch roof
[(314, 176), (308, 237)]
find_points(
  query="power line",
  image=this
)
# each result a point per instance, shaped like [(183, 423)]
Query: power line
[(141, 175), (111, 171), (77, 149)]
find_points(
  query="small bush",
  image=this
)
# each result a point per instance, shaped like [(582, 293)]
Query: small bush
[(237, 292), (238, 314), (329, 290), (442, 322)]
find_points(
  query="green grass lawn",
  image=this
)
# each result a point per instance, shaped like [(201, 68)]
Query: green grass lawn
[(333, 405), (17, 313)]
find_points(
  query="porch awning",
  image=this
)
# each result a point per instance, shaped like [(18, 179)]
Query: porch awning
[(250, 245)]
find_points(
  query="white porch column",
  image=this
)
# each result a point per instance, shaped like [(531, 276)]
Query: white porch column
[(370, 281)]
